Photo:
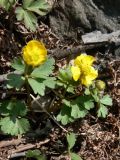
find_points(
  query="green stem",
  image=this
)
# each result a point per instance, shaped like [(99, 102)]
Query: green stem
[(27, 85), (65, 90)]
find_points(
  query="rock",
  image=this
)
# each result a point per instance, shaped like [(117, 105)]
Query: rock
[(98, 37), (70, 18)]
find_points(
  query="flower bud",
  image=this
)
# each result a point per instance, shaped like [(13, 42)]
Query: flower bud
[(100, 85)]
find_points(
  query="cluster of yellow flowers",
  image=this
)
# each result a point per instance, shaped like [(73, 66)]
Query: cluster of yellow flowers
[(35, 54), (83, 69)]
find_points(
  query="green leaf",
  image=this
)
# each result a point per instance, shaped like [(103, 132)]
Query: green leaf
[(3, 107), (87, 91), (66, 102), (102, 111), (65, 115), (42, 74), (18, 65), (50, 82), (12, 1), (14, 126), (17, 108), (40, 7), (71, 139), (78, 111), (19, 13), (15, 81), (59, 83), (6, 4), (13, 108), (75, 156), (89, 105), (27, 3), (85, 101), (35, 154), (29, 18), (106, 100), (75, 111), (44, 70), (37, 85)]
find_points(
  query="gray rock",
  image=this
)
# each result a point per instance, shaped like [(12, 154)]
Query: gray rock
[(70, 18), (98, 37)]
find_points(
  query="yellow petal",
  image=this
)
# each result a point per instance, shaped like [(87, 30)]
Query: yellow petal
[(34, 53), (84, 60), (88, 76), (75, 72)]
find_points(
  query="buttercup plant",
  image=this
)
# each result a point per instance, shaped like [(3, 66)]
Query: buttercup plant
[(83, 74), (34, 72), (34, 54), (35, 69)]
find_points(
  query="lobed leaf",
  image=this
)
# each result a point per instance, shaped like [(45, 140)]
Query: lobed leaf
[(15, 81), (85, 101), (13, 108), (50, 82), (78, 111), (27, 3), (40, 7), (65, 115), (18, 65), (37, 85), (71, 139), (6, 4), (28, 17), (102, 111), (41, 77), (14, 125), (44, 70), (106, 100)]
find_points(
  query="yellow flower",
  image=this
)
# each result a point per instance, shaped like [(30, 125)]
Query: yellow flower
[(75, 72), (34, 53), (86, 73)]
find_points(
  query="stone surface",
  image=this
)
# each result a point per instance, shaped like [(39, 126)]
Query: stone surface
[(71, 18)]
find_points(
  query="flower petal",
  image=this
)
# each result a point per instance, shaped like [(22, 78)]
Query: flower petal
[(75, 72), (84, 60), (88, 76)]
